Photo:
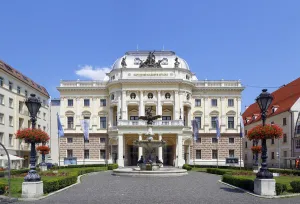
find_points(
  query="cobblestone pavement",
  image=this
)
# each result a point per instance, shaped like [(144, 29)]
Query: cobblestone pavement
[(193, 188)]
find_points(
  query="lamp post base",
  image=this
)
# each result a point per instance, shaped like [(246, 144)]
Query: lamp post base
[(32, 189), (32, 176), (265, 187)]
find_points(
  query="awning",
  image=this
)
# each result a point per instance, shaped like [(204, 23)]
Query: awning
[(11, 157)]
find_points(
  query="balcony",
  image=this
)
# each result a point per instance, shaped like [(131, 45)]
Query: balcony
[(155, 123)]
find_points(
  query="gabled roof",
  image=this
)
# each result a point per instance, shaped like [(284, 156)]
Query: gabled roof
[(284, 99), (15, 73)]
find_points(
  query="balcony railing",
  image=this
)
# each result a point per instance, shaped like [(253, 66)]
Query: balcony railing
[(155, 123)]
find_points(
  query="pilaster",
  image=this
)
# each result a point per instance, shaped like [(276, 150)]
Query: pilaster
[(140, 148), (120, 151), (160, 155)]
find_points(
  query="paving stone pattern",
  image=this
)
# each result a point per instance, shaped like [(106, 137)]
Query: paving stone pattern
[(193, 188)]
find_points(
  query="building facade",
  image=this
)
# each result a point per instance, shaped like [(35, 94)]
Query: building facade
[(14, 89), (163, 81), (284, 111)]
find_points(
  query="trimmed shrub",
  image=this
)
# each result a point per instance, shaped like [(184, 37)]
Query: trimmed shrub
[(2, 188), (218, 171), (280, 188), (244, 183), (220, 167), (13, 172), (187, 167), (295, 186), (286, 171), (112, 166), (78, 166)]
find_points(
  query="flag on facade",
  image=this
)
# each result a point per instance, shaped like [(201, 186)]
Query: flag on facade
[(195, 129), (218, 128), (242, 128), (85, 125), (59, 127)]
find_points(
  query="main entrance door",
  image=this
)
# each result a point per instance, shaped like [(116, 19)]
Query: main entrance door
[(133, 155), (168, 155)]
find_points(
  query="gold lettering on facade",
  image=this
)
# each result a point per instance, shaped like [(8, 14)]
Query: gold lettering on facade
[(150, 74)]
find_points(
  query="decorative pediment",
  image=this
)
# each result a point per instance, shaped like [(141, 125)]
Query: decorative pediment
[(69, 113), (214, 112), (100, 113), (86, 113), (198, 113), (231, 112)]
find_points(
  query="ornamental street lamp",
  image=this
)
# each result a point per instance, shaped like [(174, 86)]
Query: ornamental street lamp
[(33, 104), (264, 100)]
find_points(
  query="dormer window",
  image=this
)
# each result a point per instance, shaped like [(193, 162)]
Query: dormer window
[(132, 95), (150, 95), (274, 108), (248, 119), (254, 116), (167, 95)]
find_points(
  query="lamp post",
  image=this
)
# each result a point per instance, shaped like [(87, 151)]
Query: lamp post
[(264, 100), (33, 104)]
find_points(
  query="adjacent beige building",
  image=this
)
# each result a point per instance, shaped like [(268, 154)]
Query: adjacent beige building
[(284, 111), (14, 89), (165, 82)]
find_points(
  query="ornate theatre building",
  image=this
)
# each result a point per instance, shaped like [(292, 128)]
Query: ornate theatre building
[(163, 81)]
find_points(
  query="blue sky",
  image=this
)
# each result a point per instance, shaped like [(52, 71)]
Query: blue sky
[(255, 41)]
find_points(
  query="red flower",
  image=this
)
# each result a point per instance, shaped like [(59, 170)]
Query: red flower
[(43, 149), (32, 135), (265, 132), (256, 149)]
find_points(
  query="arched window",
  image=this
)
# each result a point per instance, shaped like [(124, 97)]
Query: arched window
[(112, 97), (150, 95), (188, 97), (167, 95), (132, 95)]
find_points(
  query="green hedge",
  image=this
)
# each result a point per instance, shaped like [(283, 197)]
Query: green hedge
[(218, 171), (79, 166), (220, 167), (2, 188), (247, 184), (59, 183), (295, 186), (280, 188), (187, 167), (286, 171), (112, 166), (13, 172)]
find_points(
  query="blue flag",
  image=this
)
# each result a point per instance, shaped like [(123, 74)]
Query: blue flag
[(59, 127), (218, 128), (242, 128), (195, 129), (85, 125)]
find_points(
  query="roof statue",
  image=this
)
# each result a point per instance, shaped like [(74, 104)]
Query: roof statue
[(176, 63), (149, 118), (150, 61), (123, 63)]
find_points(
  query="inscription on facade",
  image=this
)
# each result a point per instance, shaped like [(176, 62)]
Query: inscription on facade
[(150, 74)]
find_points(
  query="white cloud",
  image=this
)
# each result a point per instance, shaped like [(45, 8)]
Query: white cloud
[(96, 73)]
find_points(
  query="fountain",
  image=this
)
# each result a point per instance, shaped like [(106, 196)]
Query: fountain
[(148, 167)]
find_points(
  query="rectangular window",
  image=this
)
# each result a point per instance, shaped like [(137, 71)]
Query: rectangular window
[(198, 154), (86, 141), (246, 132), (246, 144), (26, 93), (272, 141), (166, 118), (102, 154), (272, 155), (11, 102), (297, 144), (70, 102), (10, 141), (44, 128), (44, 116), (102, 102), (198, 119), (214, 154), (246, 157), (134, 117), (284, 121), (102, 122), (214, 102), (230, 102), (230, 122), (213, 122), (19, 90), (10, 86), (197, 102), (39, 126), (214, 140), (69, 153), (70, 122), (298, 129), (1, 99), (231, 140), (231, 153), (1, 137), (198, 140), (69, 140), (2, 118), (102, 140), (284, 138), (1, 81), (86, 154), (86, 102), (11, 121)]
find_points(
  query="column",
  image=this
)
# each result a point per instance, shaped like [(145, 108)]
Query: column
[(180, 160), (160, 155), (119, 110), (222, 115), (140, 148), (176, 106), (124, 106), (181, 106), (110, 116), (189, 117), (159, 107), (120, 151), (142, 107)]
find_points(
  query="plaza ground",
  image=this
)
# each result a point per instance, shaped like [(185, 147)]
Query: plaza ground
[(196, 187)]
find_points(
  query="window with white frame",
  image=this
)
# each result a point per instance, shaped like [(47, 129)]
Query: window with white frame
[(198, 119), (1, 81), (231, 140), (86, 154), (1, 137), (19, 90), (70, 102), (11, 121), (70, 122), (44, 116), (2, 118), (197, 102), (230, 122), (214, 102), (198, 154), (102, 102), (69, 140), (213, 122), (86, 102), (230, 102), (102, 154), (231, 153), (11, 102), (102, 122), (26, 93), (214, 154), (1, 99), (10, 85), (297, 144), (69, 153), (10, 140)]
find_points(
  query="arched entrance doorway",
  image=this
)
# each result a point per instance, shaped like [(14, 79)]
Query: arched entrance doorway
[(169, 151), (113, 153), (132, 151)]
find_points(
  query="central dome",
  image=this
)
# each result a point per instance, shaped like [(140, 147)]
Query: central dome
[(150, 59)]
